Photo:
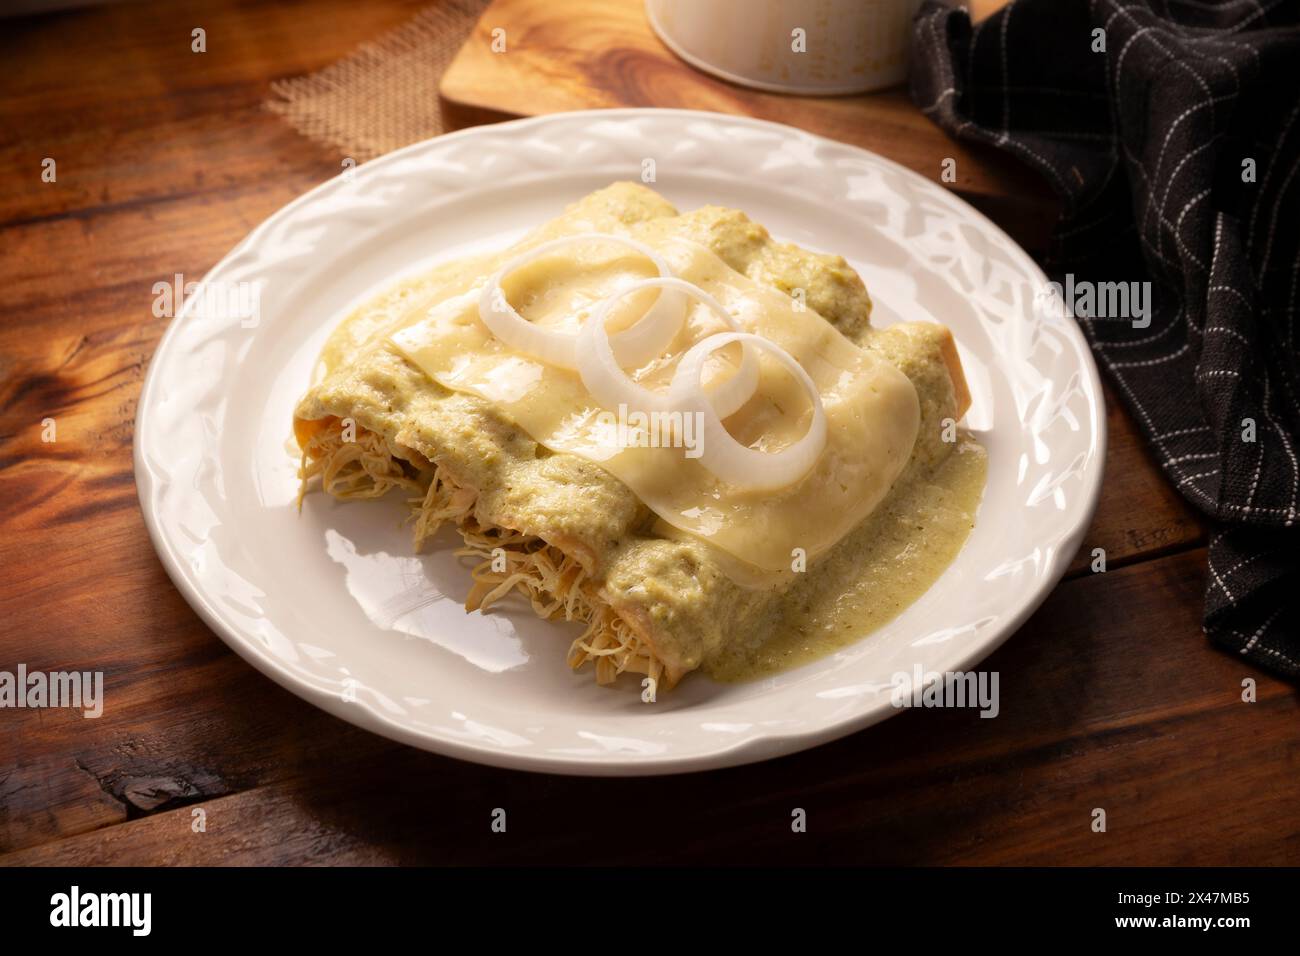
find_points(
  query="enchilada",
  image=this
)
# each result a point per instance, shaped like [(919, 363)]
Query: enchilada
[(669, 564)]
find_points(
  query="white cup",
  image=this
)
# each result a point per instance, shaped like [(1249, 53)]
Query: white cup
[(819, 47)]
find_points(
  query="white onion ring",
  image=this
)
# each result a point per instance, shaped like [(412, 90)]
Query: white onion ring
[(602, 369), (634, 346), (747, 468)]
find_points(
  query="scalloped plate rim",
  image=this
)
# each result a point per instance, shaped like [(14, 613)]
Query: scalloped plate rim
[(754, 748)]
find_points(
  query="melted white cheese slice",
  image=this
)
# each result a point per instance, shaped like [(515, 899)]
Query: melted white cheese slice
[(871, 408)]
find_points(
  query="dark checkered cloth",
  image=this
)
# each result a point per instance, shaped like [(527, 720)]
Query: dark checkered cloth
[(1177, 154)]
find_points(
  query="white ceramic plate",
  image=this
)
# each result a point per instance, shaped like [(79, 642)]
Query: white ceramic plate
[(331, 603)]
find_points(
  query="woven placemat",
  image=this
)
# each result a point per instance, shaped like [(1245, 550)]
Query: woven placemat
[(384, 95)]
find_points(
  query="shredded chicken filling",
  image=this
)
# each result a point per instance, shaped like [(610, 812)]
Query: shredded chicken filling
[(366, 465)]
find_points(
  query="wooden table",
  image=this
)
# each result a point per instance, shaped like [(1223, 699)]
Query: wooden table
[(1112, 696)]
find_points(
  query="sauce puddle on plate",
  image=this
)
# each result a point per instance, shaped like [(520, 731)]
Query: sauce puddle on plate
[(876, 573)]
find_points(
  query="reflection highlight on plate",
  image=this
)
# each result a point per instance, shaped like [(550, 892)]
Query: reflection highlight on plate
[(396, 593)]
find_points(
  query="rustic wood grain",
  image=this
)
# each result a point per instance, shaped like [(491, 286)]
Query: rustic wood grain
[(165, 161), (1186, 771), (131, 115)]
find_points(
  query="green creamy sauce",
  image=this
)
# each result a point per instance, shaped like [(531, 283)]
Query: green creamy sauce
[(873, 575), (734, 622)]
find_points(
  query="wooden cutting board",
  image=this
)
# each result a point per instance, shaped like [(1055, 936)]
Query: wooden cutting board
[(592, 54)]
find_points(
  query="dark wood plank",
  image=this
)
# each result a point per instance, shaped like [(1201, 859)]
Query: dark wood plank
[(1140, 515), (1109, 698), (165, 164), (117, 609), (116, 96)]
